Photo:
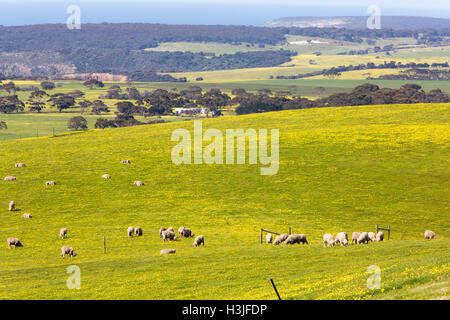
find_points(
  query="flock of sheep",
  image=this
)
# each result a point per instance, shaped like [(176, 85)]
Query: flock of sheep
[(165, 234), (169, 233)]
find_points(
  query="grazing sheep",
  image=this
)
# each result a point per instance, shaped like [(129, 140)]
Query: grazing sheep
[(26, 215), (296, 238), (372, 236), (199, 240), (186, 233), (430, 235), (20, 165), (10, 178), (167, 251), (50, 183), (180, 231), (12, 206), (269, 238), (171, 229), (130, 232), (106, 176), (280, 238), (380, 236), (161, 231), (328, 240), (68, 250), (342, 238), (138, 183), (355, 236), (168, 235), (138, 231), (14, 242), (363, 238), (125, 161), (63, 233)]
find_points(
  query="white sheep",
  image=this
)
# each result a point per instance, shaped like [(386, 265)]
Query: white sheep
[(167, 251), (269, 238), (68, 250), (14, 242), (186, 233), (130, 232), (125, 161), (138, 231), (379, 236), (26, 216), (363, 238), (430, 235), (372, 236), (168, 235), (199, 240), (280, 238), (328, 240), (138, 183), (12, 206), (342, 238), (20, 165), (355, 237), (106, 176), (296, 238), (10, 178), (63, 233), (50, 183), (161, 231)]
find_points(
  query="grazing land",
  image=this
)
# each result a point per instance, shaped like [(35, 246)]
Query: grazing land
[(341, 169)]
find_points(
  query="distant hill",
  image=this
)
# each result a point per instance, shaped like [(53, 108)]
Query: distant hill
[(387, 22)]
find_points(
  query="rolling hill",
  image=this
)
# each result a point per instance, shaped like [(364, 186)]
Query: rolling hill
[(341, 169)]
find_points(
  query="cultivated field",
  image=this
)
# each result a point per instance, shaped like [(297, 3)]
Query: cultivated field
[(341, 169)]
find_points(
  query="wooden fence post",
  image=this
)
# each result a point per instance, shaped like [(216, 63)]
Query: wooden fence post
[(104, 244), (377, 230), (289, 230), (260, 238), (389, 231)]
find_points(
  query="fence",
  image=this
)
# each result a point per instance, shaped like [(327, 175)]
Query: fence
[(272, 232), (388, 230)]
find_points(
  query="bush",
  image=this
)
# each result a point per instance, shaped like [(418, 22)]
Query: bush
[(77, 123)]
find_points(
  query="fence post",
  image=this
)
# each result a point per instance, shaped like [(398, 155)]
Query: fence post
[(377, 230), (104, 244), (389, 231), (289, 230), (260, 238)]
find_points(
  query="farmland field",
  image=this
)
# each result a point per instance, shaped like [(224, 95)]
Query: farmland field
[(341, 169)]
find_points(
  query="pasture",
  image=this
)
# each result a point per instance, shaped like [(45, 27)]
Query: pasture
[(341, 169)]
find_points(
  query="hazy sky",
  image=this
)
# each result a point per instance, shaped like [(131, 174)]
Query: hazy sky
[(243, 12)]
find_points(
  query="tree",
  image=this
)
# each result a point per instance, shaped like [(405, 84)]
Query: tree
[(125, 107), (48, 85), (10, 104), (3, 125), (133, 93), (93, 82), (98, 106), (61, 101), (77, 123), (35, 100), (103, 123), (83, 105), (10, 87)]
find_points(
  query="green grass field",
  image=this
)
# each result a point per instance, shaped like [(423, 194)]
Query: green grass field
[(341, 169)]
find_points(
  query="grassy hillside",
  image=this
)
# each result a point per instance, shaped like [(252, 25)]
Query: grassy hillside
[(341, 169)]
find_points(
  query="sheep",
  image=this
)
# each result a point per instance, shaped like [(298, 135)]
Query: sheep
[(280, 238), (328, 240), (372, 236), (355, 236), (12, 206), (20, 165), (138, 231), (68, 250), (430, 235), (26, 215), (125, 161), (171, 229), (167, 251), (199, 240), (10, 178), (63, 233), (168, 235), (14, 242), (106, 176), (296, 238), (138, 183), (342, 238), (50, 183), (186, 233), (363, 238), (130, 232), (269, 238), (161, 231), (380, 236)]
